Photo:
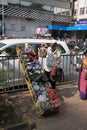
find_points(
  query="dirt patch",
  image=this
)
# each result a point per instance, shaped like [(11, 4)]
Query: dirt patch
[(15, 109), (8, 112)]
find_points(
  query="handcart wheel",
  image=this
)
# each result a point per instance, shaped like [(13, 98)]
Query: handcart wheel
[(39, 110)]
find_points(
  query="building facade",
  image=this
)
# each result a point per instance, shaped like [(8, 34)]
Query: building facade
[(80, 10), (80, 17), (20, 18)]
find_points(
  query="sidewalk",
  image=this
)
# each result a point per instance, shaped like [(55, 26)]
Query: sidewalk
[(71, 116)]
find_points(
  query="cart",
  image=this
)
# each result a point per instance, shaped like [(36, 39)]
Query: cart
[(44, 98)]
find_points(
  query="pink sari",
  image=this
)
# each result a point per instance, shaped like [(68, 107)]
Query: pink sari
[(83, 84)]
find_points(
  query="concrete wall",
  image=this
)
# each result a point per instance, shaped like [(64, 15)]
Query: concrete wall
[(20, 27)]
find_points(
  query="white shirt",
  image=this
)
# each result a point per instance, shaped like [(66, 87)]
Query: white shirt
[(51, 59)]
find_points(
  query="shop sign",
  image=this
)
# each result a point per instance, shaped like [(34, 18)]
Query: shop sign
[(81, 22), (42, 31)]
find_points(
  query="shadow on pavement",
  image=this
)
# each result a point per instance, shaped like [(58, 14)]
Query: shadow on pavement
[(66, 91)]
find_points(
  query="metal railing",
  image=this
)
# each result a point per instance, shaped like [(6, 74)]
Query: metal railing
[(12, 78)]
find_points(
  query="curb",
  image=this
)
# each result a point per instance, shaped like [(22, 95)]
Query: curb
[(22, 126)]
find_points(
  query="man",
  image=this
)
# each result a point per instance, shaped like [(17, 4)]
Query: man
[(53, 59)]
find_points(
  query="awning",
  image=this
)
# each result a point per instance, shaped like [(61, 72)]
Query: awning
[(68, 28), (76, 28)]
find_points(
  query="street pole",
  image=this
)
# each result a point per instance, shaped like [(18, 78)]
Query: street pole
[(3, 19)]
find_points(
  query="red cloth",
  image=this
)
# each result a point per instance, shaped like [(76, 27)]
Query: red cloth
[(56, 102), (52, 93)]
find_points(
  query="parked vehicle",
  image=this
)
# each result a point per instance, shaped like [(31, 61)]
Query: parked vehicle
[(9, 60), (77, 53), (74, 49), (77, 60)]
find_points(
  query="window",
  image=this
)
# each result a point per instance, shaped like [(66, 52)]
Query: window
[(82, 11), (62, 11), (2, 45), (27, 47), (11, 51), (57, 10), (60, 49), (86, 10), (75, 12)]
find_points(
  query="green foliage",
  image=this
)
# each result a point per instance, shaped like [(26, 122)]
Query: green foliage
[(3, 78)]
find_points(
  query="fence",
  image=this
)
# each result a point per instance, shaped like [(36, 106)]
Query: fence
[(12, 78)]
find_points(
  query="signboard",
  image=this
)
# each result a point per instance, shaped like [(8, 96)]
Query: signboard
[(42, 31), (81, 22)]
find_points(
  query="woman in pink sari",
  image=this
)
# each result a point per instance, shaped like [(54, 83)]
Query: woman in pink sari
[(83, 77)]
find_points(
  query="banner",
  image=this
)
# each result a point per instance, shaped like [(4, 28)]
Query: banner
[(42, 31), (81, 22)]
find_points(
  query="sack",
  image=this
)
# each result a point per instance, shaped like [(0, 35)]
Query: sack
[(42, 52), (56, 102), (86, 76), (52, 93)]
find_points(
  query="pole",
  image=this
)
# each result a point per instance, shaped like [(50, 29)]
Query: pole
[(3, 19)]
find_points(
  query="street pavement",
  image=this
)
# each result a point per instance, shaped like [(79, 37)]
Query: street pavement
[(72, 114)]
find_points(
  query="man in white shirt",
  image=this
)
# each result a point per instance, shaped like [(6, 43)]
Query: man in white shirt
[(53, 59)]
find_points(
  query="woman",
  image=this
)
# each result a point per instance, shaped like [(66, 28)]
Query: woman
[(52, 61), (83, 77)]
